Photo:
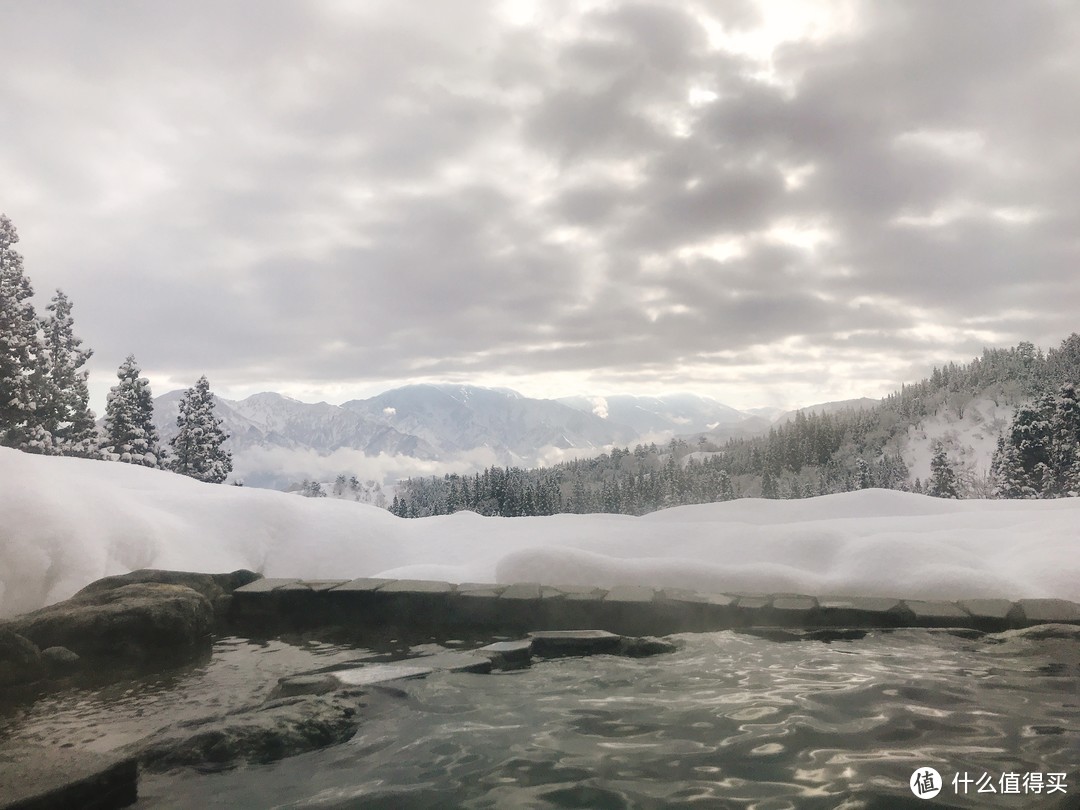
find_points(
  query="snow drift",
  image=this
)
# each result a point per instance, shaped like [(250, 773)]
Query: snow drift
[(66, 522)]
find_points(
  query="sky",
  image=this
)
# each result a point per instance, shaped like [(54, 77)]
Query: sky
[(775, 204)]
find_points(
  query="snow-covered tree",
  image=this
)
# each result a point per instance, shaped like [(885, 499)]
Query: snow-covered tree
[(1065, 433), (130, 435), (197, 449), (864, 479), (20, 348), (67, 421), (942, 483)]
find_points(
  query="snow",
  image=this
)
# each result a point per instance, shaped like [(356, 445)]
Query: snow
[(67, 521)]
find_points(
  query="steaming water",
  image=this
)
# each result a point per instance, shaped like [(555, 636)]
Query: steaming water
[(727, 721)]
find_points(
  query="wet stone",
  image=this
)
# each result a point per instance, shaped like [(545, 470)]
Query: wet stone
[(794, 603), (293, 587), (417, 586), (522, 590), (933, 613), (364, 584), (456, 662), (753, 602), (380, 673), (474, 589), (306, 685), (1059, 611), (574, 591), (630, 593), (265, 585), (35, 778), (508, 654), (321, 585), (556, 643)]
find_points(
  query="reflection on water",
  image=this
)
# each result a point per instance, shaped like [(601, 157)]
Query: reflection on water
[(727, 721)]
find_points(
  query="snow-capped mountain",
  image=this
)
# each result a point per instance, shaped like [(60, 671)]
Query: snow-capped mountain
[(672, 413), (457, 418)]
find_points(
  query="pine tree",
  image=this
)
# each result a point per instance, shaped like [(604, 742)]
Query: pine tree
[(130, 435), (1065, 433), (197, 448), (68, 420), (942, 482), (768, 485), (864, 478), (20, 348)]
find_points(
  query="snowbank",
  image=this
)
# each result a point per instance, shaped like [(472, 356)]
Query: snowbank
[(66, 522)]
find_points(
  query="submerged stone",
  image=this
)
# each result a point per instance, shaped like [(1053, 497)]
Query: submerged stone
[(20, 659), (508, 654), (557, 643), (37, 778), (645, 646)]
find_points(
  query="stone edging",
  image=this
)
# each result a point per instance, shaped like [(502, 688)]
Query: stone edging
[(273, 605)]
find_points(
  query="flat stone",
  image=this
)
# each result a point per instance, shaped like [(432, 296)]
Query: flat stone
[(555, 643), (592, 596), (1056, 611), (937, 612), (682, 595), (569, 590), (547, 592), (794, 603), (456, 662), (631, 593), (508, 654), (417, 586), (753, 602), (38, 778), (992, 608), (321, 585), (380, 673), (362, 584), (522, 590), (293, 586), (318, 684), (865, 604), (480, 589), (265, 585)]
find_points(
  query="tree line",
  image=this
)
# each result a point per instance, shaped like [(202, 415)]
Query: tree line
[(44, 399)]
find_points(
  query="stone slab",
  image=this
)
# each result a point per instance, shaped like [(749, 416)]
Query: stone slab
[(555, 643), (1050, 611), (293, 587), (576, 590), (363, 584), (504, 653), (293, 685), (320, 585), (753, 602), (794, 603), (988, 608), (868, 604), (380, 673), (265, 585), (592, 596), (417, 586), (638, 594), (522, 590), (43, 778), (455, 662), (480, 589), (938, 613)]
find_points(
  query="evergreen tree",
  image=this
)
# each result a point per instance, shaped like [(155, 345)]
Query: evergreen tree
[(1065, 433), (68, 420), (130, 435), (768, 485), (197, 448), (942, 482), (864, 478), (20, 348)]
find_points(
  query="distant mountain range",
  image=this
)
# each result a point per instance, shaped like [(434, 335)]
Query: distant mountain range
[(425, 429)]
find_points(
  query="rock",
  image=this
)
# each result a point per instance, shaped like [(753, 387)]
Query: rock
[(38, 778), (508, 655), (556, 643), (130, 622), (20, 660), (645, 646), (1038, 632), (275, 730), (60, 659), (217, 588)]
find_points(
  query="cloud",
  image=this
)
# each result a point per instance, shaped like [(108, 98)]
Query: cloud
[(345, 194)]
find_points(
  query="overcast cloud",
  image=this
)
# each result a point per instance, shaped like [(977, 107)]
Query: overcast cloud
[(330, 198)]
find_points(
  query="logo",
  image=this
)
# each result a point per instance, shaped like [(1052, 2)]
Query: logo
[(925, 783)]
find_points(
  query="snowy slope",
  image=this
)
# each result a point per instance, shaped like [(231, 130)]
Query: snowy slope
[(969, 441), (70, 521)]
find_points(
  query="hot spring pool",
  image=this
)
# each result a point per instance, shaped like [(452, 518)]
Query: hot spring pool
[(729, 720)]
